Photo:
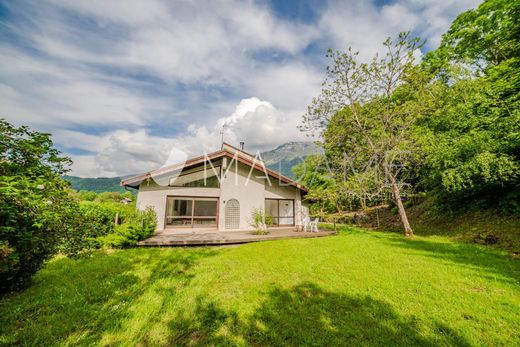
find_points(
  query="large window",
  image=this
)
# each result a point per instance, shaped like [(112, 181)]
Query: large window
[(281, 210), (201, 178), (191, 212)]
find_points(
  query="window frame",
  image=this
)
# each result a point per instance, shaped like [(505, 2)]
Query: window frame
[(192, 217), (218, 176), (277, 218)]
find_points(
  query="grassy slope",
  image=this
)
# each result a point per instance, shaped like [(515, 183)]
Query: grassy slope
[(364, 288), (472, 227)]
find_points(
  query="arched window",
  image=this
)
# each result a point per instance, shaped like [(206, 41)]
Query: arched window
[(232, 219)]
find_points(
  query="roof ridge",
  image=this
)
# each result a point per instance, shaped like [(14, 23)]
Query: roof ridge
[(215, 155)]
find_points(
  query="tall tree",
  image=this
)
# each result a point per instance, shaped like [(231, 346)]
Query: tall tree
[(366, 128), (473, 156)]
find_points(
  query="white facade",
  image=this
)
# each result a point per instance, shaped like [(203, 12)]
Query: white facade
[(238, 181)]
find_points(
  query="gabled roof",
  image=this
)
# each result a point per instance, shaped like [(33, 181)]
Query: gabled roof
[(226, 151)]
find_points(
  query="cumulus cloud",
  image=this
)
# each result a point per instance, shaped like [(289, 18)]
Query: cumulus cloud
[(120, 152), (125, 81), (256, 122)]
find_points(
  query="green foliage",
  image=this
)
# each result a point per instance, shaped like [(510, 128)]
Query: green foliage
[(484, 36), (40, 216), (97, 185), (99, 217), (461, 114), (137, 226), (315, 173), (260, 221), (108, 197), (472, 137), (28, 153), (37, 213), (85, 195)]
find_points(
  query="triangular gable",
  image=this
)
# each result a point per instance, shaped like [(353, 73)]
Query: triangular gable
[(227, 151)]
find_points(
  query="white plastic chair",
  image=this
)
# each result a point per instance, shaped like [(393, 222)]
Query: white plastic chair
[(306, 223), (314, 225)]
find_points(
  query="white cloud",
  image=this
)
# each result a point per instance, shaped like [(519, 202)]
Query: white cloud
[(256, 122), (288, 86), (103, 76), (41, 93), (364, 26), (129, 12), (182, 41), (120, 152)]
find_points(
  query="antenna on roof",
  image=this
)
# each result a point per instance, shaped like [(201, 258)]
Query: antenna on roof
[(242, 146), (222, 130)]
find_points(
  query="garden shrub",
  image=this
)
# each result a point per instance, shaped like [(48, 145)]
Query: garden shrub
[(99, 217), (92, 221), (37, 219), (85, 195), (260, 221), (137, 226), (38, 213)]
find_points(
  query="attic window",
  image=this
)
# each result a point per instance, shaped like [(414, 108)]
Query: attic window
[(201, 179)]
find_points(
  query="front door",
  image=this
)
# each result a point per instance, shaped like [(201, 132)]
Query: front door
[(191, 212)]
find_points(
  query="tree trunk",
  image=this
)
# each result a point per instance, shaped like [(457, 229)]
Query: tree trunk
[(402, 213)]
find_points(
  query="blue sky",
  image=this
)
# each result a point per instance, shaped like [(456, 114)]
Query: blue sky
[(120, 84)]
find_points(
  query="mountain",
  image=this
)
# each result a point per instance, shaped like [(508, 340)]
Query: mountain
[(285, 156), (280, 159)]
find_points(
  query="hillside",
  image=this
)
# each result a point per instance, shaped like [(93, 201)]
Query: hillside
[(97, 184), (498, 229), (280, 159)]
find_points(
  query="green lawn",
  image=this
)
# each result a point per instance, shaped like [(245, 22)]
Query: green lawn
[(357, 288)]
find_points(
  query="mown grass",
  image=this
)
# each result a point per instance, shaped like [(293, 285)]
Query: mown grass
[(493, 228), (357, 288)]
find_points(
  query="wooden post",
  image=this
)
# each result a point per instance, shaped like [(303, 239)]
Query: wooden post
[(116, 219)]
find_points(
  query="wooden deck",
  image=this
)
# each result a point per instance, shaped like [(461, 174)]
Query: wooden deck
[(166, 238)]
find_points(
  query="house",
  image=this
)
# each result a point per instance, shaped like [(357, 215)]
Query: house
[(219, 192)]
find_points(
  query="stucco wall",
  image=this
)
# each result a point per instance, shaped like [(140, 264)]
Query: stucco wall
[(250, 189)]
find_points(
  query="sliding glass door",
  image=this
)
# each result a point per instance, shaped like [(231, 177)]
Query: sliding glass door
[(281, 211), (191, 212)]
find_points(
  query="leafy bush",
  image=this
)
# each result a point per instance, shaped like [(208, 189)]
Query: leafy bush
[(85, 195), (115, 197), (138, 226), (92, 221), (99, 217), (108, 197), (37, 219), (260, 221), (38, 214)]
